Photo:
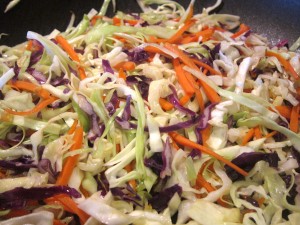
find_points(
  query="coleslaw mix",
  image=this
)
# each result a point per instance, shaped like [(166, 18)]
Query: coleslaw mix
[(159, 117)]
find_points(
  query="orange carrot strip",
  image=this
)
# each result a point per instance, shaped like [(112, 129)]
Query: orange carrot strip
[(205, 133), (29, 45), (181, 55), (117, 21), (243, 29), (271, 134), (122, 74), (182, 79), (184, 99), (294, 121), (28, 86), (153, 49), (205, 34), (71, 161), (205, 66), (188, 143), (211, 94), (71, 206), (73, 127), (200, 99), (94, 19), (58, 222), (286, 64), (248, 137), (127, 65), (284, 110), (41, 105), (257, 132), (129, 168), (73, 55), (178, 35), (167, 106)]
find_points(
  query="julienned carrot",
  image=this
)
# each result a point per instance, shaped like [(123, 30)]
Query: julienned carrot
[(153, 49), (167, 106), (205, 34), (58, 222), (257, 132), (211, 94), (117, 21), (294, 121), (286, 64), (181, 55), (205, 66), (95, 18), (29, 45), (122, 74), (200, 99), (178, 35), (271, 134), (243, 29), (70, 162), (284, 111), (28, 86), (182, 79), (188, 143), (73, 55), (205, 133), (69, 205), (184, 99), (129, 168), (201, 182), (127, 66), (41, 105), (73, 127), (248, 137)]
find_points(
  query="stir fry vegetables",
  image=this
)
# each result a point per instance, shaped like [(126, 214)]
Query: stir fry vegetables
[(159, 117)]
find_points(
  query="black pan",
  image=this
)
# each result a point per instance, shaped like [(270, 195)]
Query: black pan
[(276, 19)]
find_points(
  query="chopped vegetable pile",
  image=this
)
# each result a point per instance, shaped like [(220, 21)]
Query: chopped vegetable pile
[(160, 117)]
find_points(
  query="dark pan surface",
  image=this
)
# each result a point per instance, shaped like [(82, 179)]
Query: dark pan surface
[(276, 19)]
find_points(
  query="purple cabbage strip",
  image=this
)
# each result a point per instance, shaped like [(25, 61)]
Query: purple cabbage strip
[(39, 76), (166, 158), (142, 83), (36, 53), (18, 165), (205, 117), (155, 163), (247, 161), (195, 153), (110, 106), (137, 55), (44, 166), (18, 197), (127, 112), (85, 105), (60, 80), (181, 125), (175, 101), (160, 200), (4, 144), (102, 183), (127, 194), (106, 66), (282, 43), (96, 129)]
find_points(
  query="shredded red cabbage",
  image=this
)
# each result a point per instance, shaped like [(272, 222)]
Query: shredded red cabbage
[(44, 166), (173, 98), (160, 200), (127, 194), (18, 197), (247, 161), (106, 66)]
